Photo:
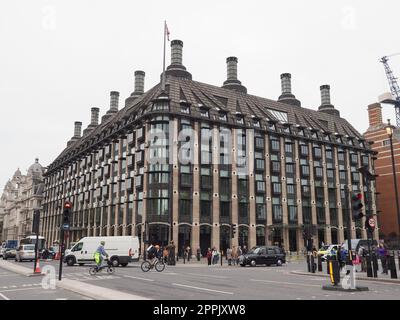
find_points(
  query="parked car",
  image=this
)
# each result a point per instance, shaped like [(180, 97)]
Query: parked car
[(121, 250), (25, 252), (9, 253), (2, 249), (263, 255)]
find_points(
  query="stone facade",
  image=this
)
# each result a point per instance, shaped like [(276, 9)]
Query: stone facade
[(21, 195), (271, 168)]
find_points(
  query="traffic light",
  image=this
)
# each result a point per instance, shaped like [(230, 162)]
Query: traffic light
[(67, 215), (233, 230), (356, 206), (36, 222)]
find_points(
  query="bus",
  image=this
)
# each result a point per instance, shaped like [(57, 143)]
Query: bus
[(32, 240)]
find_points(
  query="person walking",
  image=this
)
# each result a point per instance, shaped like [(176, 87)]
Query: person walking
[(244, 250), (198, 254), (171, 253), (229, 256), (165, 255), (209, 256), (214, 256), (382, 253), (234, 255)]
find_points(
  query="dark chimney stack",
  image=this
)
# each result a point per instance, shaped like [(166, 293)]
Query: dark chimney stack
[(232, 81), (287, 96), (326, 105)]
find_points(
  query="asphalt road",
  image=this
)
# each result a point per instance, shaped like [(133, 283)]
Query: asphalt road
[(194, 281), (14, 286)]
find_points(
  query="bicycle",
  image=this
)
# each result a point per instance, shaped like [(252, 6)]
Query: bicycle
[(108, 266), (156, 263)]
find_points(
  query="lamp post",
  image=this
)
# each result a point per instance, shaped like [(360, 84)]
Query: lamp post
[(390, 130)]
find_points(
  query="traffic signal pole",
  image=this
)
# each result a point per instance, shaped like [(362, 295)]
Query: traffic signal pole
[(349, 262), (61, 255)]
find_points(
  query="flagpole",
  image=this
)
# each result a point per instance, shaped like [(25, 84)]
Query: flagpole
[(163, 75)]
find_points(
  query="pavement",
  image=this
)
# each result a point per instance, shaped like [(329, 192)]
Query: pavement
[(13, 286), (48, 280), (197, 281)]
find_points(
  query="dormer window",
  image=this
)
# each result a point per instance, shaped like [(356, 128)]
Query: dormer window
[(239, 119), (222, 116), (272, 126), (350, 141), (339, 139), (161, 104), (204, 112), (327, 137), (314, 134), (286, 129), (185, 108)]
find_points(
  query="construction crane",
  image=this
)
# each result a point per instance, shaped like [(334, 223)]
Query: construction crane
[(394, 88)]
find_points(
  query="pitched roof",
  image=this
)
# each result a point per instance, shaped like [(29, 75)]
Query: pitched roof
[(216, 99)]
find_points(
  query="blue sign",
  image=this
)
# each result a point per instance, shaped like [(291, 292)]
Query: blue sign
[(65, 226)]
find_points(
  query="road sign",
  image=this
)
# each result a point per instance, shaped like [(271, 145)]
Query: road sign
[(371, 222), (65, 226)]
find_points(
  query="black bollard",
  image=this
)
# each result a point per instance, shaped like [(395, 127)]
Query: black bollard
[(308, 263), (334, 269), (328, 259), (369, 266), (392, 266), (319, 263), (398, 257), (375, 265)]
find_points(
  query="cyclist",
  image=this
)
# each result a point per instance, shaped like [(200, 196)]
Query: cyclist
[(98, 255)]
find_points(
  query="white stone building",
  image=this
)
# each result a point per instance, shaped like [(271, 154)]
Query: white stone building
[(22, 194)]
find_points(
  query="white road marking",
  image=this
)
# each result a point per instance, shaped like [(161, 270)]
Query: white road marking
[(207, 275), (288, 283), (4, 297), (145, 279), (21, 289), (198, 288)]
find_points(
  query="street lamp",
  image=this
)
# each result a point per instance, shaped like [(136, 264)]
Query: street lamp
[(389, 131)]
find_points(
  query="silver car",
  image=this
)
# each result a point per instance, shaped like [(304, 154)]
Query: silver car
[(25, 252)]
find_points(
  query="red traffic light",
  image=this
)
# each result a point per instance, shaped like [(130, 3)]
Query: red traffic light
[(67, 205), (357, 196)]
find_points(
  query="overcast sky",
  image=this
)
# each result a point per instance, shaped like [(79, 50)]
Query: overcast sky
[(59, 59)]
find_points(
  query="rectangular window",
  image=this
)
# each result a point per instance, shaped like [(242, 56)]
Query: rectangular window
[(260, 164), (318, 172), (260, 186), (305, 171), (289, 168), (304, 150), (275, 145), (276, 166), (259, 142), (291, 189), (276, 188), (288, 147)]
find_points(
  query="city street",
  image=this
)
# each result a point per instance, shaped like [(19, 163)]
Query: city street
[(14, 286), (196, 281)]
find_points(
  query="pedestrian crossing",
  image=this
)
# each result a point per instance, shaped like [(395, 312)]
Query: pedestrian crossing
[(21, 286), (86, 277)]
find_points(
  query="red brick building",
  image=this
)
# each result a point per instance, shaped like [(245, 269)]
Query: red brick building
[(386, 203)]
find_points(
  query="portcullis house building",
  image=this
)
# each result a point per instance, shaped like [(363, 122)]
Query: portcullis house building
[(193, 162)]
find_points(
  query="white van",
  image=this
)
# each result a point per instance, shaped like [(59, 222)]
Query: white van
[(120, 250)]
